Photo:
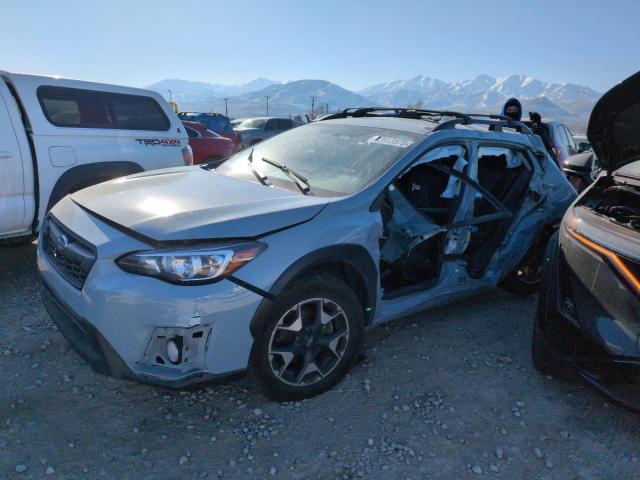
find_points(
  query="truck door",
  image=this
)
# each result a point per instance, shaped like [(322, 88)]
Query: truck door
[(12, 188)]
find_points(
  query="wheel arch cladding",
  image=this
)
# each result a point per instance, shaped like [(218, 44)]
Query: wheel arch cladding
[(350, 263), (87, 175)]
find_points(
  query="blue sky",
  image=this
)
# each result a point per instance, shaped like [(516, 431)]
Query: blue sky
[(354, 43)]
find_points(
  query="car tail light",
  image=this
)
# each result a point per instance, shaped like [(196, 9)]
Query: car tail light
[(187, 155)]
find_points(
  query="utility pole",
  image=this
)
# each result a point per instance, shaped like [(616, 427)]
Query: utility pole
[(267, 105), (226, 111), (313, 105), (327, 107)]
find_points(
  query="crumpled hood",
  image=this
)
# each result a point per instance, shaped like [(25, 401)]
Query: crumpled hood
[(614, 125), (190, 203)]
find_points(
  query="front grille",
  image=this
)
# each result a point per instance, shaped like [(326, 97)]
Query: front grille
[(70, 255)]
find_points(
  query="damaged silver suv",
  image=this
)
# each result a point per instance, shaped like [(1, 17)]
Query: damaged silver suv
[(278, 260)]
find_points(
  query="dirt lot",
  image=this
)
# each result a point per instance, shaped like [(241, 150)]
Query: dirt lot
[(449, 393)]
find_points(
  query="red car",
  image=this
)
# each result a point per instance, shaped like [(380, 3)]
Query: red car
[(216, 122), (207, 146)]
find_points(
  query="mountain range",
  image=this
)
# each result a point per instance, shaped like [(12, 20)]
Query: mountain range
[(568, 102)]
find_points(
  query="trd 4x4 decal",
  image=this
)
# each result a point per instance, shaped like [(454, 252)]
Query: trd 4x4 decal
[(163, 142)]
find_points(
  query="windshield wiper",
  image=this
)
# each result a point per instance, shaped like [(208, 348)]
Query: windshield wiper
[(301, 182), (261, 178)]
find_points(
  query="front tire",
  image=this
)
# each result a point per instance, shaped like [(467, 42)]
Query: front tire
[(310, 339), (544, 361)]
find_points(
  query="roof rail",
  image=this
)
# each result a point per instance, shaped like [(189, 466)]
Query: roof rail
[(496, 121)]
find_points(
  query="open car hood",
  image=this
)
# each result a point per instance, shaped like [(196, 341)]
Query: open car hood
[(614, 125), (190, 203)]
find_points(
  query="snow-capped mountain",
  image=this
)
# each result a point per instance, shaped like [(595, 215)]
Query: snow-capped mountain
[(195, 91), (528, 87), (519, 86), (483, 93), (405, 92), (295, 98)]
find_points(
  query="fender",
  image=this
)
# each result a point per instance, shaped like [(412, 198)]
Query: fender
[(82, 176), (353, 255)]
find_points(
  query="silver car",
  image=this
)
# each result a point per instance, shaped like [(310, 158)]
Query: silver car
[(280, 259), (255, 130)]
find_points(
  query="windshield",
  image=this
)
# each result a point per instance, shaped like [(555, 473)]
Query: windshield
[(252, 123), (336, 160)]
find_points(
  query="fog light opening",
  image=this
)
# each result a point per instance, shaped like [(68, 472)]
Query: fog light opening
[(174, 350)]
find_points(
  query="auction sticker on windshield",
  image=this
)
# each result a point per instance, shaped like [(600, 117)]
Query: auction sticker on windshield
[(393, 141)]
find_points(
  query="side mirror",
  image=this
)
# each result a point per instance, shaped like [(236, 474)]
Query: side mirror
[(584, 147)]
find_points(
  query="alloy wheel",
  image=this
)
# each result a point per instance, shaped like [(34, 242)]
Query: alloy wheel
[(308, 342)]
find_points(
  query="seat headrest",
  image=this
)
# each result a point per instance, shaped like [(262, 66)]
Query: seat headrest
[(493, 162)]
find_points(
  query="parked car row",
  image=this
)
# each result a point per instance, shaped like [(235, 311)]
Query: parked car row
[(207, 146), (215, 122), (244, 132)]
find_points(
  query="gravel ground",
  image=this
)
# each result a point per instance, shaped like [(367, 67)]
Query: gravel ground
[(446, 394)]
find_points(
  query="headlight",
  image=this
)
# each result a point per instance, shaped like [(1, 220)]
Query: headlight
[(191, 266)]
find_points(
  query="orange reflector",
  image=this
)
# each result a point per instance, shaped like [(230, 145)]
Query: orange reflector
[(613, 257)]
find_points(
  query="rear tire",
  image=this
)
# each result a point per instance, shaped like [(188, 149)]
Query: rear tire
[(310, 339), (525, 278)]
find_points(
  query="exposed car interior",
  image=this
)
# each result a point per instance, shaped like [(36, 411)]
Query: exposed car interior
[(420, 207), (506, 175), (417, 209)]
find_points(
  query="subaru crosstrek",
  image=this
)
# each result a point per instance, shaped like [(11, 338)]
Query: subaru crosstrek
[(278, 260)]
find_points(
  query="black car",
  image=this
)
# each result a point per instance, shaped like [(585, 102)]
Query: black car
[(588, 318)]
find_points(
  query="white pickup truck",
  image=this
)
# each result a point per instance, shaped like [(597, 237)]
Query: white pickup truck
[(59, 135)]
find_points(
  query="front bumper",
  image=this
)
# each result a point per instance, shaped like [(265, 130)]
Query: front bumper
[(120, 323), (87, 341), (593, 322)]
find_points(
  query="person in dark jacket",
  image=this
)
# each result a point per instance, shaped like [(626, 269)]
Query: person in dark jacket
[(512, 109)]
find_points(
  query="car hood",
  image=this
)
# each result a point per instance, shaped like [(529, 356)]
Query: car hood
[(247, 130), (190, 203), (614, 125)]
